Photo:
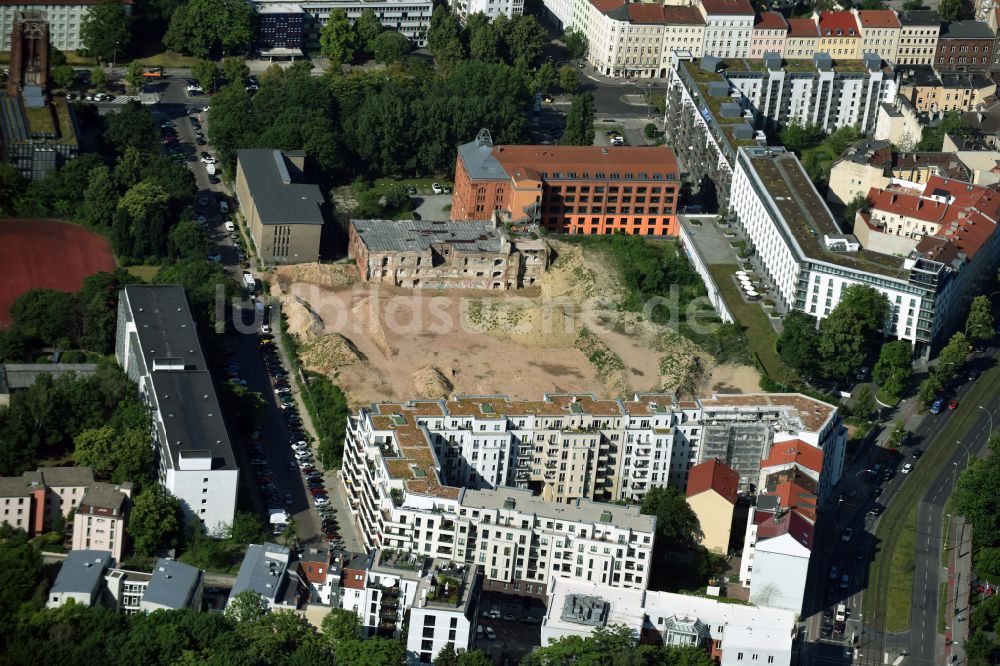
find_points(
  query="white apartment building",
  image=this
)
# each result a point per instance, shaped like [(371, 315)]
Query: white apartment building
[(64, 17), (100, 519), (443, 611), (158, 347), (728, 27), (918, 36), (409, 17), (683, 30), (172, 585), (80, 578), (734, 634), (810, 260), (880, 32), (491, 8)]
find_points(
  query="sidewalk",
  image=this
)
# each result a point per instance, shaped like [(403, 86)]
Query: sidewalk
[(957, 610)]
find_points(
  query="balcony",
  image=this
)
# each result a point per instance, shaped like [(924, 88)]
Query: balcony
[(550, 476), (551, 464)]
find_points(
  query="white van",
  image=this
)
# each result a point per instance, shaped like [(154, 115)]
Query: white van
[(210, 169), (230, 227)]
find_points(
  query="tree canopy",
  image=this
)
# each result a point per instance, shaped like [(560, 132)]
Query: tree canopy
[(849, 330), (797, 136), (979, 324), (798, 343), (576, 42), (614, 645), (205, 28), (156, 522), (952, 122), (580, 122), (676, 522), (894, 367), (105, 30), (338, 41)]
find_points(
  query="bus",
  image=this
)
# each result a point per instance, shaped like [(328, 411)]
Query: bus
[(153, 72)]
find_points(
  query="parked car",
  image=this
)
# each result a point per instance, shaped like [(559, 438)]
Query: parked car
[(916, 453), (847, 534), (862, 373), (937, 405), (321, 501), (907, 468), (436, 188), (953, 404), (876, 509)]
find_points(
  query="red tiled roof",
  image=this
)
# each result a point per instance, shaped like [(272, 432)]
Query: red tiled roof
[(591, 159), (795, 451), (605, 6), (714, 475), (770, 21), (878, 18), (791, 523), (315, 571), (645, 12), (802, 27), (728, 7), (678, 14), (350, 581), (838, 24)]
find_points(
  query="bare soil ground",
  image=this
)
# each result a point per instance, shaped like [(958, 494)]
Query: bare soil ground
[(568, 334)]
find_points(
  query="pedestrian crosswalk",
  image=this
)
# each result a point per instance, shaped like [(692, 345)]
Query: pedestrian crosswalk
[(124, 99)]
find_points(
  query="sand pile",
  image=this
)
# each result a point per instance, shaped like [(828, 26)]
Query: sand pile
[(370, 319), (340, 274), (303, 322), (329, 353), (431, 383)]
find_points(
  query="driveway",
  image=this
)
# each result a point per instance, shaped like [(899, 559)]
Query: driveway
[(433, 206)]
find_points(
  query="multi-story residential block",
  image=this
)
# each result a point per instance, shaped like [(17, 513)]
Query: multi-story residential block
[(282, 211), (444, 610), (712, 491), (16, 503), (839, 36), (158, 347), (810, 260), (281, 30), (425, 254), (273, 572), (770, 29), (321, 570), (880, 32), (734, 634), (409, 17), (683, 30), (933, 93), (569, 189), (964, 46), (491, 8), (728, 27), (34, 500), (101, 517), (80, 578), (711, 113), (802, 40), (171, 585), (64, 18), (918, 35), (872, 163)]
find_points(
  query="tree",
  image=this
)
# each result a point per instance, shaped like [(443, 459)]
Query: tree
[(913, 5), (19, 597), (569, 80), (155, 523), (12, 187), (979, 324), (580, 122), (873, 4), (235, 70), (205, 72), (798, 342), (341, 624), (247, 607), (246, 528), (894, 367), (952, 356), (376, 651), (484, 42), (859, 204), (63, 76), (337, 39), (576, 42), (950, 10), (977, 497), (142, 223), (898, 436), (368, 28), (134, 75), (676, 523), (649, 131), (390, 46), (47, 315), (797, 136), (447, 656), (850, 328), (105, 30), (98, 78), (951, 123), (205, 27), (546, 78), (474, 658), (94, 449), (133, 126), (525, 41), (444, 36), (864, 403), (930, 388), (187, 240)]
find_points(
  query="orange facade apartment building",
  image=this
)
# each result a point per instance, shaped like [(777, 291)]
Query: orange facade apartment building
[(569, 189)]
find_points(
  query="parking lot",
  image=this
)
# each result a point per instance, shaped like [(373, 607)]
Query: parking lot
[(511, 627)]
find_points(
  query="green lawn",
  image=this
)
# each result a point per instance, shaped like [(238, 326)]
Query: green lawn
[(146, 273), (423, 185), (168, 59), (757, 329), (902, 565), (942, 607)]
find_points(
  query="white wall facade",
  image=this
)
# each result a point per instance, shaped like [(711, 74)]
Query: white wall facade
[(780, 566), (64, 22), (433, 628), (728, 35)]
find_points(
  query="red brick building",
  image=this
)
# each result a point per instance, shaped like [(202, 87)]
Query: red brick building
[(569, 189), (964, 46)]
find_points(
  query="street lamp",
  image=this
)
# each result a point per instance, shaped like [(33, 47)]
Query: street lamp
[(989, 414)]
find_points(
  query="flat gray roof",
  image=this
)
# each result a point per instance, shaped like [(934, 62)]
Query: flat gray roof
[(419, 235), (81, 571), (965, 30), (172, 584), (164, 324), (583, 510), (264, 570), (278, 198), (23, 375), (66, 476), (104, 495), (480, 162)]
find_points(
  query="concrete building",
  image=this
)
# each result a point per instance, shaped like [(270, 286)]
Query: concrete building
[(932, 93), (34, 500), (157, 345), (918, 35), (811, 260), (770, 29), (17, 503), (80, 578), (172, 585), (271, 571), (101, 518), (728, 27), (281, 30), (64, 18), (711, 493), (964, 46), (880, 32), (424, 254), (625, 40), (16, 377), (683, 30), (409, 17), (37, 136), (839, 36), (283, 213), (444, 610), (734, 634), (899, 123), (802, 39), (568, 189), (491, 8)]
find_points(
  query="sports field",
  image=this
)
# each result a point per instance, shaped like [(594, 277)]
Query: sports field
[(47, 253)]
